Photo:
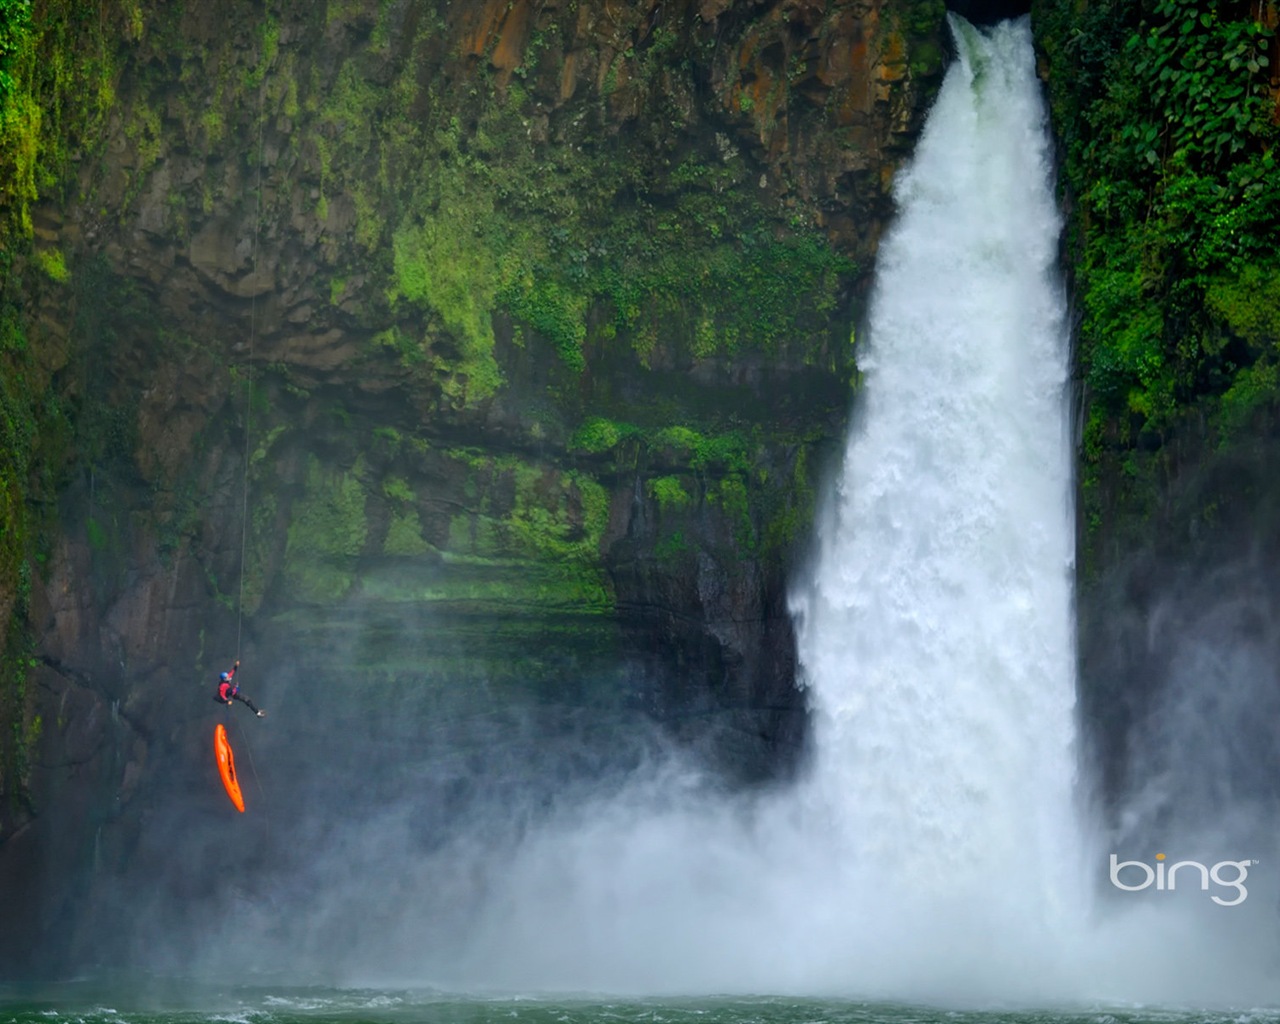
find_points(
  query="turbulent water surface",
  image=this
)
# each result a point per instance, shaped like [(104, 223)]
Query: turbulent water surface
[(88, 1004)]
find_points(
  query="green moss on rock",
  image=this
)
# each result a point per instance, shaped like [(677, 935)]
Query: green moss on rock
[(327, 533), (536, 535), (438, 266), (669, 493), (404, 536)]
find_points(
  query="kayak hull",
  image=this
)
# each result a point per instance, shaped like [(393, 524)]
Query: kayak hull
[(227, 766)]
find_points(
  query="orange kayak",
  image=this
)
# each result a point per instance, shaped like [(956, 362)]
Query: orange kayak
[(227, 766)]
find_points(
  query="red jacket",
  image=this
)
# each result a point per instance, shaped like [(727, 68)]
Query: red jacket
[(226, 688)]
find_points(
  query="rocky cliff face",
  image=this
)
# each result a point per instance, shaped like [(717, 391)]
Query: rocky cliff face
[(438, 357)]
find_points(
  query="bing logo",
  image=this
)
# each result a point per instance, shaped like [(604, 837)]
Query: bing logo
[(1166, 878)]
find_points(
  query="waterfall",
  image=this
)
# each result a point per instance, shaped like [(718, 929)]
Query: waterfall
[(935, 628), (936, 624)]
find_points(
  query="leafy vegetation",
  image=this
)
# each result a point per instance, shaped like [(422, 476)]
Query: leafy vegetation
[(1169, 122), (327, 533), (17, 446), (57, 68), (617, 243), (760, 481), (669, 493)]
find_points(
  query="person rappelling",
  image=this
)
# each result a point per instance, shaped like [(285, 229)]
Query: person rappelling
[(229, 691)]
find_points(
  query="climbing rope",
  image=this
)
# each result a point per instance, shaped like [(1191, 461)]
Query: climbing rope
[(248, 385)]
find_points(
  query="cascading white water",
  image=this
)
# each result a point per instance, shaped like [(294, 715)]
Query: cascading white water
[(936, 628)]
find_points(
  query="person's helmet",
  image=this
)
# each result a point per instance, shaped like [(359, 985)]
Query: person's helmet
[(224, 677)]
